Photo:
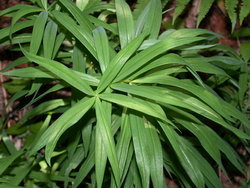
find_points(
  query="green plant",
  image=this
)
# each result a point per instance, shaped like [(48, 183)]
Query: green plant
[(139, 111), (235, 9)]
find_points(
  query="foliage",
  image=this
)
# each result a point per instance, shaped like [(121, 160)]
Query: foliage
[(205, 5), (140, 108)]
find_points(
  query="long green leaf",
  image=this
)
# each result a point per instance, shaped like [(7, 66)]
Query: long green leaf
[(156, 156), (17, 27), (37, 33), (146, 55), (118, 62), (78, 60), (22, 12), (87, 165), (102, 47), (188, 163), (125, 22), (14, 8), (107, 138), (201, 92), (100, 157), (65, 121), (7, 161), (79, 32), (78, 15), (123, 142), (179, 99), (49, 39), (150, 19), (43, 107), (208, 172), (141, 147), (137, 104), (61, 71)]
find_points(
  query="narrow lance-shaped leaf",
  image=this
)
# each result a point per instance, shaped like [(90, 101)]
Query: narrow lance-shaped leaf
[(17, 27), (123, 141), (49, 39), (7, 161), (179, 99), (207, 140), (125, 22), (154, 18), (87, 165), (108, 140), (100, 158), (43, 107), (207, 170), (78, 60), (20, 13), (148, 54), (191, 168), (118, 62), (102, 47), (100, 151), (65, 121), (79, 32), (37, 33), (14, 8), (137, 104), (78, 15), (61, 71), (155, 157), (141, 146)]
